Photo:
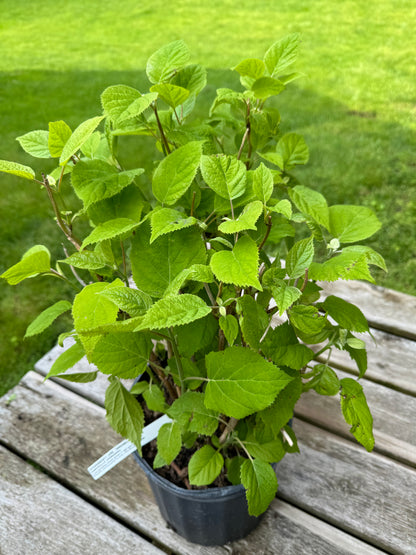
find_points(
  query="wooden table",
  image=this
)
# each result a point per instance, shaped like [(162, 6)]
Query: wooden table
[(333, 497)]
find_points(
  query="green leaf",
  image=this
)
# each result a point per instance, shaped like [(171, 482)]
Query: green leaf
[(117, 99), (35, 261), (128, 203), (356, 343), (233, 469), (347, 315), (251, 67), (110, 230), (173, 95), (17, 169), (246, 220), (95, 180), (283, 347), (135, 109), (260, 482), (192, 77), (174, 310), (86, 260), (196, 336), (167, 220), (124, 413), (78, 138), (356, 412), (282, 207), (176, 172), (229, 326), (262, 444), (45, 318), (265, 87), (192, 415), (352, 223), (307, 319), (312, 203), (347, 265), (196, 272), (79, 377), (156, 266), (281, 411), (225, 175), (162, 64), (122, 354), (241, 382), (325, 381), (66, 360), (285, 295), (35, 143), (291, 151), (373, 257), (282, 54), (263, 183), (132, 301), (59, 133), (169, 441), (205, 465), (299, 258), (240, 266), (253, 321)]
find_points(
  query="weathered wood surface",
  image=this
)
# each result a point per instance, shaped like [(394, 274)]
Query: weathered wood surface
[(38, 515), (385, 309), (64, 434), (394, 417), (368, 495)]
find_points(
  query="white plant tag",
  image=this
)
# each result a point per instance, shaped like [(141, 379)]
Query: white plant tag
[(125, 448)]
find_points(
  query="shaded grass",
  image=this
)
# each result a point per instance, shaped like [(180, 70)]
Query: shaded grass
[(355, 106)]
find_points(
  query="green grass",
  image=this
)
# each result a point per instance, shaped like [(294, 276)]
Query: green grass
[(355, 106)]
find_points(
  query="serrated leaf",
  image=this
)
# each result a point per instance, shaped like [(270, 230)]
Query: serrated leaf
[(285, 295), (241, 382), (169, 441), (299, 258), (17, 169), (117, 99), (373, 257), (59, 133), (174, 311), (155, 400), (192, 77), (86, 260), (196, 336), (307, 319), (262, 444), (291, 151), (347, 315), (156, 266), (175, 173), (325, 381), (312, 203), (124, 413), (253, 321), (35, 261), (251, 67), (352, 223), (196, 272), (173, 95), (162, 64), (260, 482), (240, 266), (356, 412), (282, 207), (78, 138), (233, 469), (263, 183), (281, 411), (132, 301), (128, 203), (66, 360), (110, 230), (265, 87), (79, 377), (229, 326), (225, 175), (204, 466), (95, 180), (35, 143), (283, 347), (47, 317), (347, 265), (135, 109), (282, 54), (191, 413), (122, 354), (246, 220), (167, 220)]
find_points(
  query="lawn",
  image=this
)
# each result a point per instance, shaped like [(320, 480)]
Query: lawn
[(355, 106)]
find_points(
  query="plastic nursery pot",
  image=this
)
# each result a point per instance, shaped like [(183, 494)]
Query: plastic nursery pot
[(208, 517)]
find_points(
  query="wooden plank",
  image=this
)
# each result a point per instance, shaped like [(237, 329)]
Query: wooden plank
[(366, 494), (385, 309), (394, 417), (38, 515), (64, 434)]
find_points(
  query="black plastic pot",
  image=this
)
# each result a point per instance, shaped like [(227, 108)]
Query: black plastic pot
[(209, 517)]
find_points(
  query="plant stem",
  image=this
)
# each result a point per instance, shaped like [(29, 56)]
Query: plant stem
[(123, 253), (161, 375), (178, 360), (247, 131), (193, 203), (269, 227), (209, 293), (231, 424), (162, 133), (58, 275)]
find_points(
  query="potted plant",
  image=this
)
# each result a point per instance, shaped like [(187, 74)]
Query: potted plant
[(199, 273)]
